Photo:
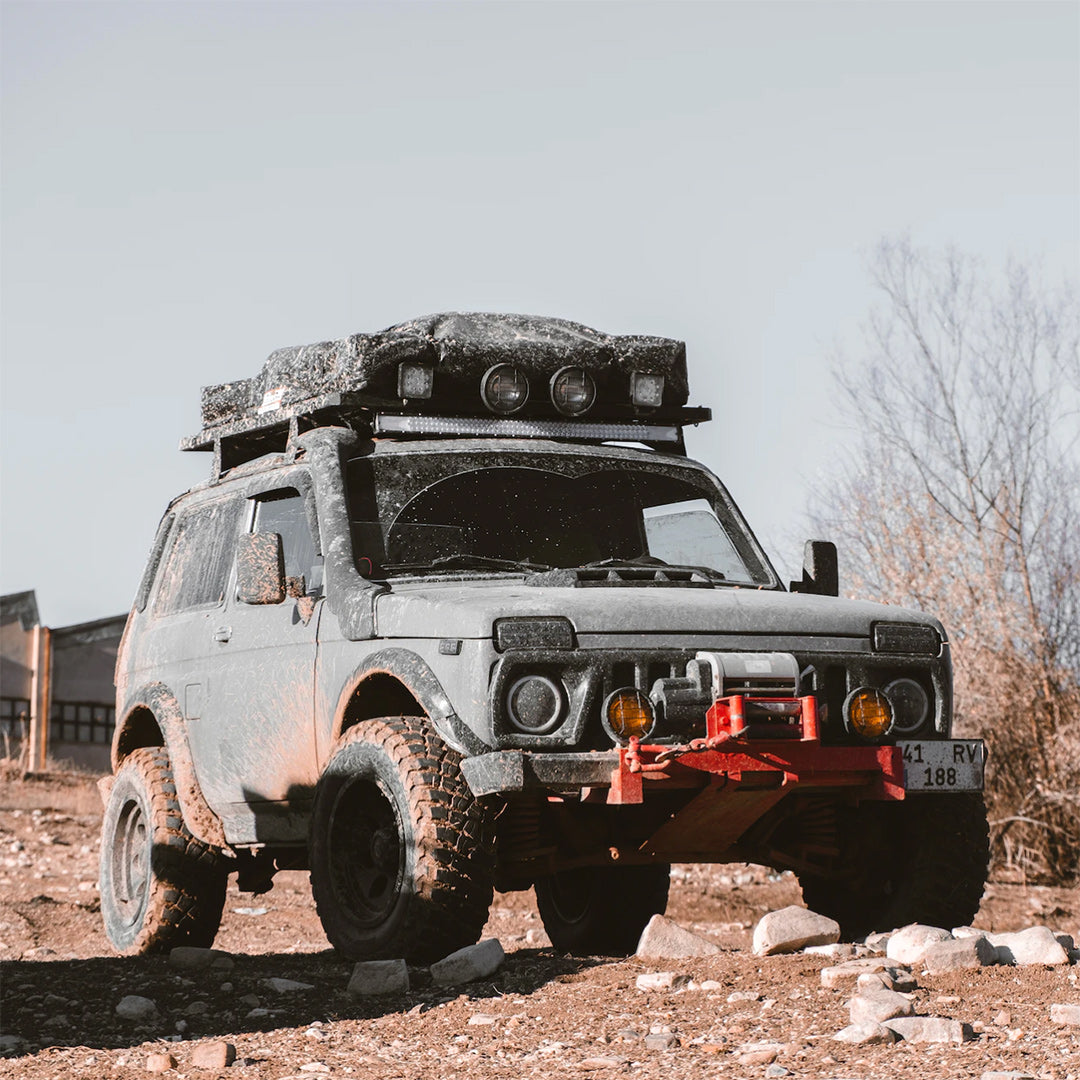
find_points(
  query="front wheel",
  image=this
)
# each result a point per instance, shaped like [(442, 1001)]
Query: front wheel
[(601, 910), (160, 886), (923, 860), (401, 856)]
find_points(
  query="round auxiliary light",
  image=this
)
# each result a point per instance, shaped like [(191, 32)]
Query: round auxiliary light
[(868, 713), (910, 705), (573, 391), (504, 389), (628, 712), (535, 704)]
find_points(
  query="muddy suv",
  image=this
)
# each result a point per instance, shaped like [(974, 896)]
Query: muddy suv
[(455, 613)]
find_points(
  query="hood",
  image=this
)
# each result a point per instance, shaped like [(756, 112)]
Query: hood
[(457, 610)]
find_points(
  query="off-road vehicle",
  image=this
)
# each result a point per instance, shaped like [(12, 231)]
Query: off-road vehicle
[(455, 612)]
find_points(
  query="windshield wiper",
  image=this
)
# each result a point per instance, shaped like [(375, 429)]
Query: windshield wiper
[(470, 562)]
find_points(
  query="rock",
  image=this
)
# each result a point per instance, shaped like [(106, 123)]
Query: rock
[(759, 1057), (604, 1063), (315, 1067), (1065, 1014), (997, 1074), (373, 977), (159, 1063), (662, 980), (878, 1006), (661, 1040), (877, 941), (473, 962), (934, 1029), (711, 984), (1035, 945), (196, 1008), (1003, 1019), (793, 928), (959, 954), (663, 939), (189, 958), (212, 1055), (482, 1019), (286, 986), (837, 951), (895, 976), (865, 1034), (777, 1070), (134, 1007), (909, 945), (743, 995)]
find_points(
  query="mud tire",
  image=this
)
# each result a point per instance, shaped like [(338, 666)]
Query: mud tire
[(923, 860), (401, 852), (160, 887), (601, 910)]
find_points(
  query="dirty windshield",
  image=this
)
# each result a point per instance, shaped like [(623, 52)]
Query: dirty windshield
[(495, 512)]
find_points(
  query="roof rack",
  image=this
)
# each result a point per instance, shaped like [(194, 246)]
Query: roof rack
[(458, 374)]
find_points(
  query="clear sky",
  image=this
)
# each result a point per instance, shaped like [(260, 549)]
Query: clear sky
[(187, 186)]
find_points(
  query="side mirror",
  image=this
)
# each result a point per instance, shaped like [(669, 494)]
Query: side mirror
[(820, 575), (260, 569)]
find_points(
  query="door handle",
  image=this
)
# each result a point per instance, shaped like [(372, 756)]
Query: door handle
[(223, 633)]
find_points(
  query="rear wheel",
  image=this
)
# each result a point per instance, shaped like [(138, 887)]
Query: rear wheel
[(401, 856), (601, 909), (160, 886), (921, 860)]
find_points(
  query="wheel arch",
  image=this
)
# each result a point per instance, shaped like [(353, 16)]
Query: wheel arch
[(152, 717), (399, 682)]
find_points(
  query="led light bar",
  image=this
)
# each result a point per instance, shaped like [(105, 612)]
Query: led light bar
[(523, 429)]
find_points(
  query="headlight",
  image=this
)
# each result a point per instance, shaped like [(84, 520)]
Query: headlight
[(572, 391), (535, 704), (628, 712), (504, 389), (867, 713), (910, 705)]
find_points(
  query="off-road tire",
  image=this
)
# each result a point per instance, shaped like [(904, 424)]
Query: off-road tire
[(601, 910), (921, 860), (401, 852), (160, 887)]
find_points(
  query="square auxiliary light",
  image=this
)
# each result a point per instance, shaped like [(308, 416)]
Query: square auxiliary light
[(415, 380), (646, 389)]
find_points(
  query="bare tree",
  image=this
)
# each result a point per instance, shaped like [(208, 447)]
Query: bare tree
[(963, 500)]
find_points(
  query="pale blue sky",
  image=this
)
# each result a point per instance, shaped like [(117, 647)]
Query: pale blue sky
[(188, 186)]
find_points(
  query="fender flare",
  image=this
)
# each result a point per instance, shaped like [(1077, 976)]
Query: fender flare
[(412, 671), (159, 700)]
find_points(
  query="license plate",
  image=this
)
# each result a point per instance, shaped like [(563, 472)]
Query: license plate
[(943, 764)]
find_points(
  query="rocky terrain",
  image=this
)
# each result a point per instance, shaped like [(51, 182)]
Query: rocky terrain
[(273, 1002)]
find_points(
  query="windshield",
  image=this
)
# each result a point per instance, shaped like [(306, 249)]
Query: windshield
[(491, 512)]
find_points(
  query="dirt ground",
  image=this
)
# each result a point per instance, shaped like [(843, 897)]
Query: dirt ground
[(542, 1014)]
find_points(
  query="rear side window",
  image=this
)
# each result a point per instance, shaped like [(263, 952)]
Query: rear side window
[(198, 564)]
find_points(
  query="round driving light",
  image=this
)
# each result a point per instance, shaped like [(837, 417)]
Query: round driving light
[(504, 389), (910, 704), (867, 713), (535, 704), (628, 712), (573, 391)]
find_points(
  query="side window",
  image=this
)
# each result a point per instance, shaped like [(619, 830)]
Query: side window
[(283, 512), (198, 563)]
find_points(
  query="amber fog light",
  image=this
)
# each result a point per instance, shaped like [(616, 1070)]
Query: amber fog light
[(868, 713), (504, 389), (628, 712)]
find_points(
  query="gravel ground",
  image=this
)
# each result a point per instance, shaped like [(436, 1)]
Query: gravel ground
[(541, 1015)]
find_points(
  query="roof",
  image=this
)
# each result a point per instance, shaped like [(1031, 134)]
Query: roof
[(21, 606)]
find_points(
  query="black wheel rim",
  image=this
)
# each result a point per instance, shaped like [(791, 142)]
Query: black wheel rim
[(367, 853), (572, 894), (130, 862)]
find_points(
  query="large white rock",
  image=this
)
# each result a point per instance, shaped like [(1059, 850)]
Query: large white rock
[(662, 980), (933, 1029), (896, 976), (793, 928), (909, 945), (957, 955), (373, 977), (663, 939), (1035, 945), (473, 962), (865, 1034), (878, 1006)]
